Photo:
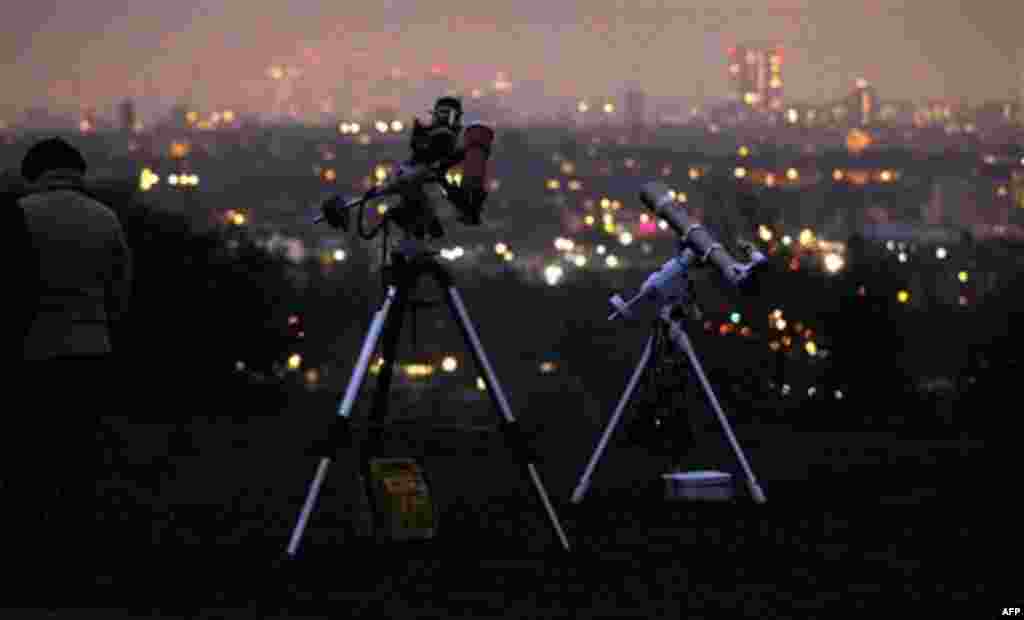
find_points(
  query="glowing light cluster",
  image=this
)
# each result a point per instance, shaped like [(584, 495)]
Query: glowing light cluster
[(564, 245), (553, 274), (807, 237), (834, 262), (235, 217), (147, 179), (418, 371), (190, 180), (452, 254)]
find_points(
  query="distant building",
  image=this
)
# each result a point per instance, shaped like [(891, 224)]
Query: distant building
[(42, 118), (755, 74), (636, 109), (863, 102), (126, 115)]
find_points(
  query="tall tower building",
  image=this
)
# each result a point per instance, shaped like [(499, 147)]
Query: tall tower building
[(863, 103), (755, 73), (126, 115), (636, 108)]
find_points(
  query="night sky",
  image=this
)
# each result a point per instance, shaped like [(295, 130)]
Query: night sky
[(909, 50)]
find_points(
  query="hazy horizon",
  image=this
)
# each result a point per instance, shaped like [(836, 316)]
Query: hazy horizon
[(109, 49)]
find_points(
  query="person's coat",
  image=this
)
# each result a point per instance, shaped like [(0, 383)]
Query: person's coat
[(84, 269)]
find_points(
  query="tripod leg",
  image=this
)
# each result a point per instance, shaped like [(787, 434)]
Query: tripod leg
[(682, 340), (510, 425), (389, 347), (584, 483), (344, 411)]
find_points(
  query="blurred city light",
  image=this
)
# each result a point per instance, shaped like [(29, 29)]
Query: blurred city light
[(962, 276), (902, 257), (740, 172), (833, 262), (480, 384), (941, 253), (581, 261), (339, 255), (612, 261), (811, 348), (764, 233), (626, 238), (553, 274), (416, 371), (180, 150), (786, 240), (449, 364), (807, 237), (903, 297), (147, 179), (500, 248), (601, 250), (294, 361), (735, 317)]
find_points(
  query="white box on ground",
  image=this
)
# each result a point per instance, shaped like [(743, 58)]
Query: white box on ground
[(698, 485)]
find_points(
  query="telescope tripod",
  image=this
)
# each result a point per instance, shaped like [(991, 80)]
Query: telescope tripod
[(667, 331), (410, 262)]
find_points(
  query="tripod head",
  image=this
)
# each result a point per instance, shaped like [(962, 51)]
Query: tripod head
[(434, 151), (670, 285)]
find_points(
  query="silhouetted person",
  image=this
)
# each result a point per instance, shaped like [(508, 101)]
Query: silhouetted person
[(67, 379)]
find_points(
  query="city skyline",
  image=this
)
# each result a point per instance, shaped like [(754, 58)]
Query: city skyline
[(219, 53)]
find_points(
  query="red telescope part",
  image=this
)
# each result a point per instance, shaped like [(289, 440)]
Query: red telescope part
[(477, 139)]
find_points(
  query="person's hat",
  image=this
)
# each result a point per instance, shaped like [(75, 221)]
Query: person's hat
[(51, 154)]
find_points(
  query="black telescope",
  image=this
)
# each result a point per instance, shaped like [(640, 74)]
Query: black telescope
[(657, 197)]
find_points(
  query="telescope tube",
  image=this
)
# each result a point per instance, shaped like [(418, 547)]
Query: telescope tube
[(656, 197)]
